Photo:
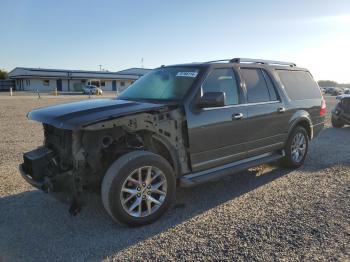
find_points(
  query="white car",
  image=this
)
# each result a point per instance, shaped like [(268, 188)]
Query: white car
[(92, 90)]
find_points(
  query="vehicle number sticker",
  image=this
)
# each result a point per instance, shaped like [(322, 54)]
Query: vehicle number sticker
[(187, 74)]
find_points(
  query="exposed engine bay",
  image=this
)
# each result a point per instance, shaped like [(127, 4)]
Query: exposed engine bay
[(75, 161)]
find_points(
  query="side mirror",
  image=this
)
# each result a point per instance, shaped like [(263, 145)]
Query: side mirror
[(212, 99)]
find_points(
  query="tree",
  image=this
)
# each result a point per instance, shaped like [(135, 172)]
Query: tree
[(327, 83), (3, 74)]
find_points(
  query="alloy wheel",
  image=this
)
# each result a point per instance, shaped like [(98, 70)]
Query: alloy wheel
[(298, 148), (143, 191)]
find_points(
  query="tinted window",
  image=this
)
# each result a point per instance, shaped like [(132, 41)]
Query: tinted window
[(257, 90), (222, 80), (299, 84), (270, 86)]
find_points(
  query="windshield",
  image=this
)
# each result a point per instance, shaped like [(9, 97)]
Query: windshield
[(168, 83)]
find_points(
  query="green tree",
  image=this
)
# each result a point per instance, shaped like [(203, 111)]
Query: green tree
[(3, 74), (327, 83)]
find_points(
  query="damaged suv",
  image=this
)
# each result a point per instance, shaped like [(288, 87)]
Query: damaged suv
[(176, 126)]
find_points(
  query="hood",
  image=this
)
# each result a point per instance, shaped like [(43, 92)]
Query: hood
[(340, 97), (73, 116)]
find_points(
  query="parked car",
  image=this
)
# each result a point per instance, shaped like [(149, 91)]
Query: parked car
[(341, 112), (335, 91), (176, 126), (346, 91), (92, 90)]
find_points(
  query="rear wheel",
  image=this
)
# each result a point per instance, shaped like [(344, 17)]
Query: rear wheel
[(296, 148), (337, 123), (138, 188)]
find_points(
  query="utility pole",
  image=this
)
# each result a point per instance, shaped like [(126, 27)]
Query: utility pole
[(100, 67)]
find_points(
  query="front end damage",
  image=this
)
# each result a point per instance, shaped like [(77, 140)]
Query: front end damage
[(71, 162)]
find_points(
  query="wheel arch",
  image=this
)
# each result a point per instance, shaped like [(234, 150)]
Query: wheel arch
[(301, 118), (159, 145)]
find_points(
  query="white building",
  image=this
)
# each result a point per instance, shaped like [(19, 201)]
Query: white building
[(73, 80)]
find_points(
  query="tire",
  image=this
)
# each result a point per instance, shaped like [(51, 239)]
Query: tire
[(121, 175), (290, 161), (337, 123)]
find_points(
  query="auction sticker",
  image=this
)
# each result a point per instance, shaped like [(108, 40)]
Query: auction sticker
[(187, 74)]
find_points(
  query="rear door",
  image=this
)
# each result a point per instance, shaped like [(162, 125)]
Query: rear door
[(266, 117), (217, 135)]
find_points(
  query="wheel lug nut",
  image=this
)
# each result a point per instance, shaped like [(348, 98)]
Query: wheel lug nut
[(143, 197), (149, 187), (143, 184), (138, 195), (149, 192), (138, 189)]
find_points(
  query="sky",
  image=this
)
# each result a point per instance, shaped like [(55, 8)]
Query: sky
[(83, 34)]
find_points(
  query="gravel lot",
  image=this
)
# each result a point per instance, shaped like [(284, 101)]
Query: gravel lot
[(264, 214)]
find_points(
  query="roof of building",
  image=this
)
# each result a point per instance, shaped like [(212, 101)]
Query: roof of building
[(135, 71), (24, 72)]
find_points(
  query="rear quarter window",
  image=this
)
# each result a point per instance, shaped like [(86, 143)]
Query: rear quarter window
[(299, 85)]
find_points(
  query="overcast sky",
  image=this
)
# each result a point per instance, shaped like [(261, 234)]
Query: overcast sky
[(117, 34)]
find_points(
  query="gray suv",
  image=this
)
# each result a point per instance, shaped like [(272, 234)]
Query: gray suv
[(178, 125)]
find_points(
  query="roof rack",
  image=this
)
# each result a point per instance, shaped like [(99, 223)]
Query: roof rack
[(221, 60), (260, 61)]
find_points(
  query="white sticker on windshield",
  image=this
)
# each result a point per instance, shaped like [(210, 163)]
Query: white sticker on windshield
[(187, 74)]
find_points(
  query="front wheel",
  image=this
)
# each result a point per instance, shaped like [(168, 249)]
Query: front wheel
[(138, 188), (296, 148)]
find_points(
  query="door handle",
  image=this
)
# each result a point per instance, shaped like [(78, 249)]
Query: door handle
[(237, 116), (281, 110)]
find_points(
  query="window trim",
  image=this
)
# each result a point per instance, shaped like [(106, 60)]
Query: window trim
[(243, 105), (265, 73)]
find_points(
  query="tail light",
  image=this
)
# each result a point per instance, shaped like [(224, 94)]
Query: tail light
[(323, 109)]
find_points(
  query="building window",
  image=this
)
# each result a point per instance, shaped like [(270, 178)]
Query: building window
[(46, 82), (28, 82), (122, 83), (103, 83)]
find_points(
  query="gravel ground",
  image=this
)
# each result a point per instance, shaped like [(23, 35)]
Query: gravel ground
[(263, 214)]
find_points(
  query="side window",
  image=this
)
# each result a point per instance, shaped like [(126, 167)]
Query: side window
[(270, 86), (222, 80), (257, 90), (299, 85)]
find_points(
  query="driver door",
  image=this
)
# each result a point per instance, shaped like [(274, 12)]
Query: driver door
[(218, 135)]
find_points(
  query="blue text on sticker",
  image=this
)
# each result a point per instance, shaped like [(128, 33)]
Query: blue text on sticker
[(187, 74)]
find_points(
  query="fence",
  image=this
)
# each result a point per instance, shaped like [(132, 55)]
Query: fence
[(6, 84)]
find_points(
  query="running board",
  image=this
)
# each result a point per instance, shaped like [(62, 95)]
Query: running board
[(228, 169)]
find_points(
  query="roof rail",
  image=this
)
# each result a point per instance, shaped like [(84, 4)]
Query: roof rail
[(260, 61), (221, 60)]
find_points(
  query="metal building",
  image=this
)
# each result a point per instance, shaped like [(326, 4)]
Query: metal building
[(73, 80)]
